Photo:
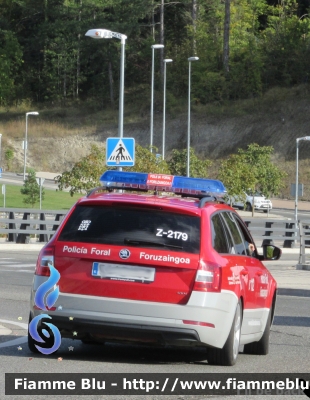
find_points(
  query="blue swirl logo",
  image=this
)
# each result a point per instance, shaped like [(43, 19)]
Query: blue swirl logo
[(44, 291), (40, 330), (44, 332)]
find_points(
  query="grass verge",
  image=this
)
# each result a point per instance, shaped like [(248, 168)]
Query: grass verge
[(53, 200)]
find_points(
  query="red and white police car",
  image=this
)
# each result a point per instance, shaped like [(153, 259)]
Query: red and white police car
[(163, 268)]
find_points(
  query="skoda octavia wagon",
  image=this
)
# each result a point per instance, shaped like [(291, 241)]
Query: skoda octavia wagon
[(158, 259)]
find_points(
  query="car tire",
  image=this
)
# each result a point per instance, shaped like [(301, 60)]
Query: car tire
[(228, 354), (261, 347), (248, 207), (265, 211)]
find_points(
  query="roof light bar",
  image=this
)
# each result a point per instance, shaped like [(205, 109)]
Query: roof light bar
[(161, 182)]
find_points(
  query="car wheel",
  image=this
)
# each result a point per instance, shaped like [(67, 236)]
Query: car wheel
[(229, 353), (248, 207), (265, 211), (261, 347)]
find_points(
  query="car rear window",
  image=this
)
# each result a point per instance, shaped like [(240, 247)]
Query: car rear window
[(133, 226)]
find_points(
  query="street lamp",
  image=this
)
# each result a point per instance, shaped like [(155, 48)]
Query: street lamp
[(167, 60), (190, 59), (25, 141), (0, 150), (106, 34), (296, 188), (154, 46)]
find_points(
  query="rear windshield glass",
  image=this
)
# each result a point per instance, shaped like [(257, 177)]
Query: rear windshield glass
[(133, 227)]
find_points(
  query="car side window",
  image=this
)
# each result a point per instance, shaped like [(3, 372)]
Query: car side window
[(219, 239), (239, 245), (247, 238)]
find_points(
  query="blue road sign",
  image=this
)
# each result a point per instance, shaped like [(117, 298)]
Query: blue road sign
[(120, 152), (0, 172)]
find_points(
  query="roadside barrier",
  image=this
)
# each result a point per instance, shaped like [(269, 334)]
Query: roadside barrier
[(18, 224), (282, 231), (304, 228)]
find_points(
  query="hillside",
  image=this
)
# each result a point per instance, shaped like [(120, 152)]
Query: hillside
[(276, 120)]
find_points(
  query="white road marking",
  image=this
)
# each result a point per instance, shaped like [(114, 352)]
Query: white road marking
[(18, 265), (18, 270), (17, 341)]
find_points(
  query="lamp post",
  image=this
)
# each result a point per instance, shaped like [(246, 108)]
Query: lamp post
[(154, 46), (107, 34), (296, 188), (0, 151), (167, 60), (190, 59), (25, 141)]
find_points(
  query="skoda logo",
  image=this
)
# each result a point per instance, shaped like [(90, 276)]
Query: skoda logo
[(124, 254)]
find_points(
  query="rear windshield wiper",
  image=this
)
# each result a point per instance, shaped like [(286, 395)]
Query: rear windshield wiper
[(150, 243)]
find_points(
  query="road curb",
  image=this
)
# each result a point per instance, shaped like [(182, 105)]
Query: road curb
[(303, 267), (293, 292)]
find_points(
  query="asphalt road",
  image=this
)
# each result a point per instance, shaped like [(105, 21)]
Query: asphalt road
[(11, 178), (289, 342)]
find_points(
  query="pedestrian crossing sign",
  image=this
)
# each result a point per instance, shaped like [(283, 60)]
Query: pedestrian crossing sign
[(120, 152)]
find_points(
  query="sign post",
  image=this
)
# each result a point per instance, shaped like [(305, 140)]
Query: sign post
[(3, 192)]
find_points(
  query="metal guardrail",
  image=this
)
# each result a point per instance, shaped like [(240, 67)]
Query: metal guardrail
[(304, 229), (281, 232), (19, 223)]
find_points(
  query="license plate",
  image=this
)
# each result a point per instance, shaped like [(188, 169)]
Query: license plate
[(127, 273)]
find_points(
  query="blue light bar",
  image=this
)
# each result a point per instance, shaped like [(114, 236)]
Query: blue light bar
[(204, 185), (110, 178), (185, 186)]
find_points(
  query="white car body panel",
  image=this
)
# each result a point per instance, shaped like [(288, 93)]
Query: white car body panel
[(214, 308)]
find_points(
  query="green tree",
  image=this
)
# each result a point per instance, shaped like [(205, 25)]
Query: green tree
[(85, 173), (31, 189), (145, 161), (9, 155), (198, 168), (269, 179), (237, 175), (251, 169), (10, 59)]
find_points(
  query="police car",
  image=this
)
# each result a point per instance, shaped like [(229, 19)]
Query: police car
[(159, 259)]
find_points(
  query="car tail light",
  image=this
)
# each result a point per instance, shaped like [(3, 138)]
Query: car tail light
[(208, 278), (46, 257), (189, 322)]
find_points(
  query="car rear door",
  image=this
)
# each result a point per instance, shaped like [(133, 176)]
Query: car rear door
[(129, 252)]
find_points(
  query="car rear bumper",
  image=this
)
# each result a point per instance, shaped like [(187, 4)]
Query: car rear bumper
[(107, 319), (89, 330), (263, 206)]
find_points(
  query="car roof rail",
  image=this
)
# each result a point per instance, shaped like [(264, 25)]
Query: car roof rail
[(209, 199), (95, 190)]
